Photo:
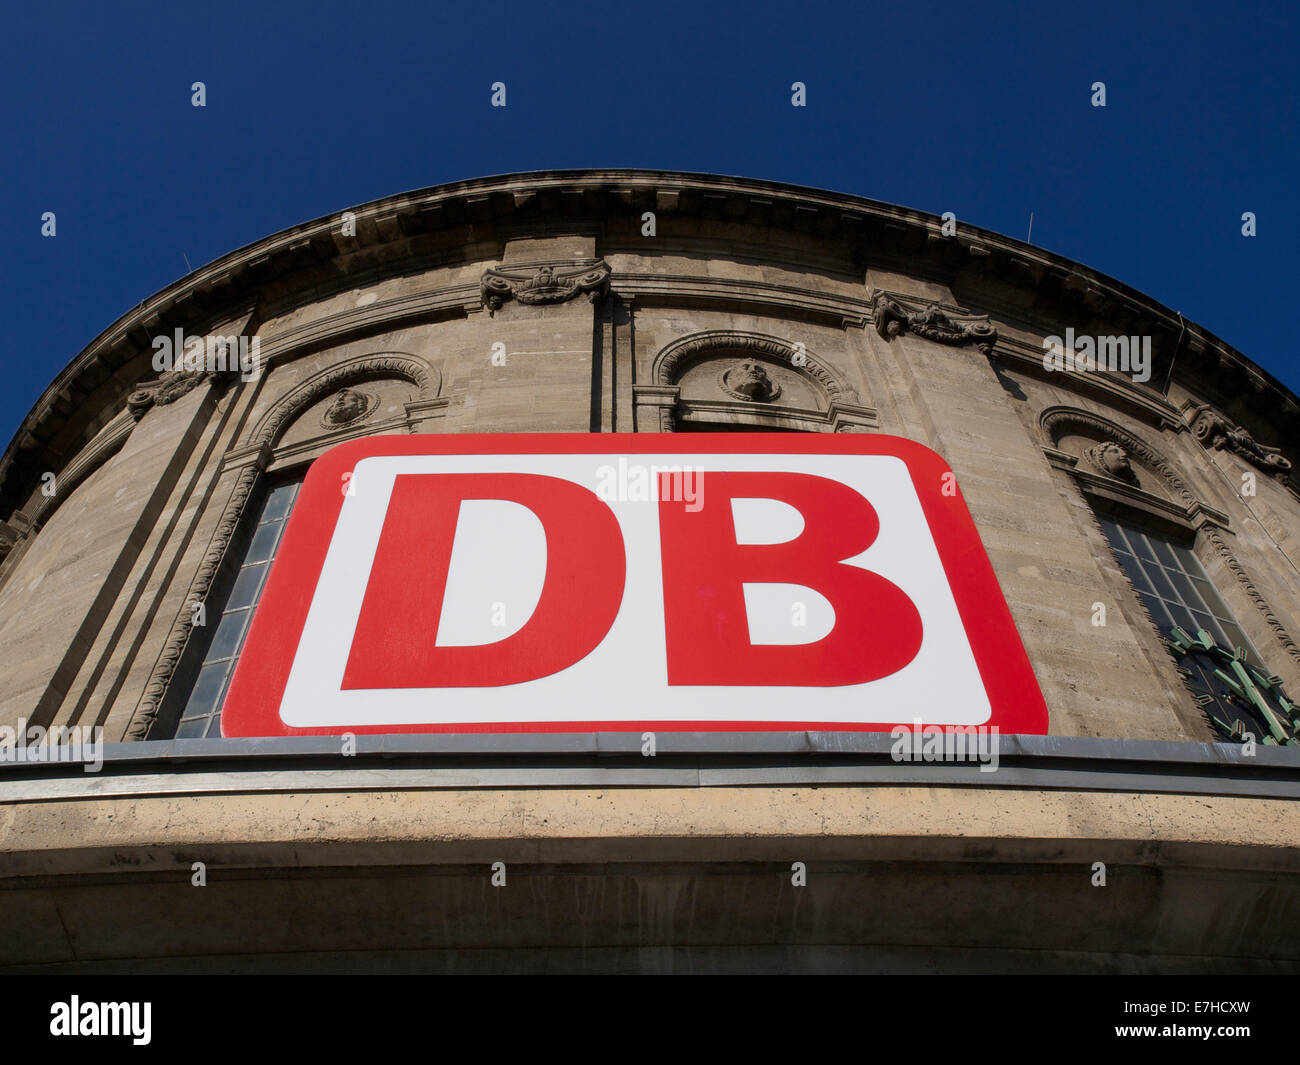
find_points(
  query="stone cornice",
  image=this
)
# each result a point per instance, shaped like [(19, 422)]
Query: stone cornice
[(1110, 488), (1115, 389), (449, 302), (998, 275), (839, 311)]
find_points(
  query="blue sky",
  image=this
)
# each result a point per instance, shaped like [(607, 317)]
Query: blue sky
[(982, 110)]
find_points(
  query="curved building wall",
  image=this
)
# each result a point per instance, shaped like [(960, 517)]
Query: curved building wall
[(536, 304)]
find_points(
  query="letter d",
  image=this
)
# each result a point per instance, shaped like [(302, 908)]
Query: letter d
[(395, 646)]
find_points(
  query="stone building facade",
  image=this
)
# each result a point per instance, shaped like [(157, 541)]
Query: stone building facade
[(1111, 508)]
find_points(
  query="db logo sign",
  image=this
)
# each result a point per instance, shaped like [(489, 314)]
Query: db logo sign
[(627, 582)]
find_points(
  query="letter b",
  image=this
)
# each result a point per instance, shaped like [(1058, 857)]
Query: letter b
[(877, 628)]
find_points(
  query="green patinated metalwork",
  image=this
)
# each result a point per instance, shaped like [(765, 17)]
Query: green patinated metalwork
[(1245, 685)]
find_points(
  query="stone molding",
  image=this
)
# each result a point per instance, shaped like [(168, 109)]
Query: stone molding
[(447, 302), (102, 447), (462, 300), (294, 456), (361, 368), (843, 412), (178, 638), (677, 357), (839, 418), (1115, 390), (668, 289), (12, 533)]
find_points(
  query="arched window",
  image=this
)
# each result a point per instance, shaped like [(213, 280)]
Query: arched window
[(211, 661), (1153, 524), (1221, 666), (735, 381), (384, 392)]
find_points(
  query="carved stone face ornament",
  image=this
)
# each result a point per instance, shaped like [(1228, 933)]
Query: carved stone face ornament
[(749, 380), (1112, 459), (752, 380), (1115, 459), (348, 406)]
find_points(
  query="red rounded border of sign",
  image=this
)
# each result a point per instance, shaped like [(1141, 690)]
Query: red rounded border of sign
[(252, 703)]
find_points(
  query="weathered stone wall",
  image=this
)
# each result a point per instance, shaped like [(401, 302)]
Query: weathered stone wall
[(94, 596)]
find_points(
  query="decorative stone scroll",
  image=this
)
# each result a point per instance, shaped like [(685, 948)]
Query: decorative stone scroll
[(170, 386), (893, 319), (1213, 430), (545, 284)]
